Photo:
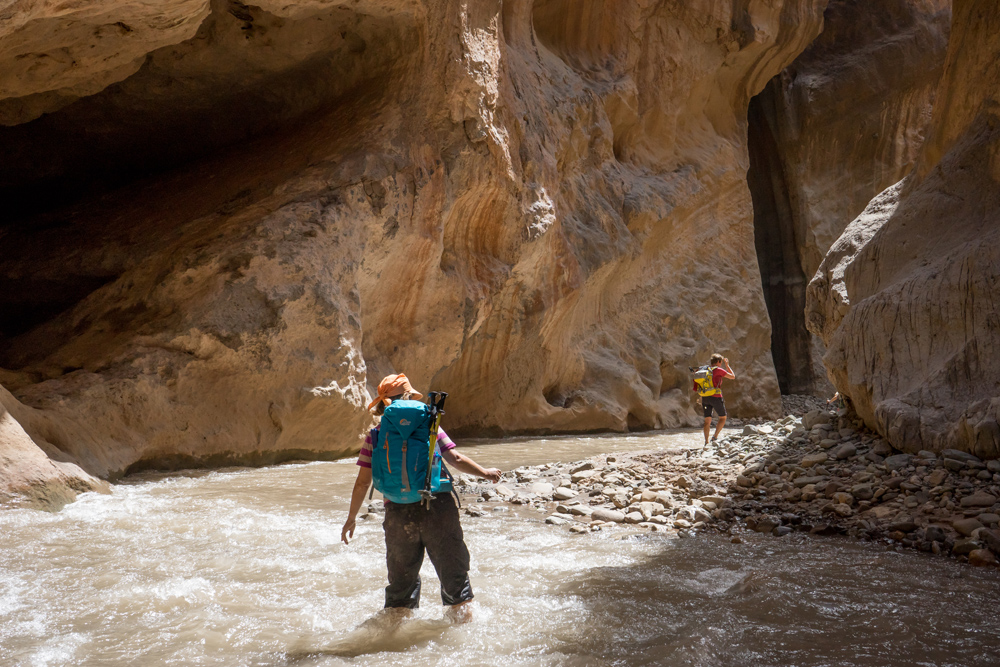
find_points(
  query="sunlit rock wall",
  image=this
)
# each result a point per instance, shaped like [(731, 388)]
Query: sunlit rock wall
[(906, 300), (247, 214), (840, 124)]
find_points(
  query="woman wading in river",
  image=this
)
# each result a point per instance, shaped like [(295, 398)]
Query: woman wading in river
[(415, 523)]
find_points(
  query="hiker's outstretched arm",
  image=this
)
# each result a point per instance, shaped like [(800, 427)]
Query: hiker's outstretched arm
[(729, 371), (361, 485), (464, 464)]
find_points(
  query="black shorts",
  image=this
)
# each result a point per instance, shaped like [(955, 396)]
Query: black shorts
[(709, 403)]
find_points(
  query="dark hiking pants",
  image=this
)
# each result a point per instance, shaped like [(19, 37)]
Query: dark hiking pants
[(409, 530)]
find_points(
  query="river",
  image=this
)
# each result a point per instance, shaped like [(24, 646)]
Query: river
[(246, 567)]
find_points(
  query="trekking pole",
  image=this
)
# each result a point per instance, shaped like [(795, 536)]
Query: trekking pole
[(436, 399)]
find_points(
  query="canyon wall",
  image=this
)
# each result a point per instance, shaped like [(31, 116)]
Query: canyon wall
[(840, 124), (230, 220), (906, 300)]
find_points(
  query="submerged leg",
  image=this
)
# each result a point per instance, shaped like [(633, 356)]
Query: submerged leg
[(404, 554), (442, 534)]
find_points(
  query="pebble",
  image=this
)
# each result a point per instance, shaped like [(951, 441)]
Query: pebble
[(563, 493), (965, 546), (504, 491), (603, 514), (897, 461), (966, 526), (542, 489), (979, 499), (810, 460), (845, 451)]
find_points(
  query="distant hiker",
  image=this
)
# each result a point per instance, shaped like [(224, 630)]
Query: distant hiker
[(413, 522), (708, 384)]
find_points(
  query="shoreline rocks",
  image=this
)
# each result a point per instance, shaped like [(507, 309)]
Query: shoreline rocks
[(822, 473)]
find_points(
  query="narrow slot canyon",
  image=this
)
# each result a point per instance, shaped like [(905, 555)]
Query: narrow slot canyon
[(781, 274)]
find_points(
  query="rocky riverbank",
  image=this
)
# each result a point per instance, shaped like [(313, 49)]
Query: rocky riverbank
[(820, 473)]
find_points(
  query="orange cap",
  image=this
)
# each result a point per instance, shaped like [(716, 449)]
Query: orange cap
[(393, 385)]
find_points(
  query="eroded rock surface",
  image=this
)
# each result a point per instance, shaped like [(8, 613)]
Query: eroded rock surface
[(33, 472), (906, 298), (539, 207), (840, 124)]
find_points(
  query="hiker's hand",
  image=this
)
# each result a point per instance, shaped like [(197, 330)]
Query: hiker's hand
[(348, 530), (492, 474)]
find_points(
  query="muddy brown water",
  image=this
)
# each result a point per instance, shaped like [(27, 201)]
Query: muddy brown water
[(245, 567)]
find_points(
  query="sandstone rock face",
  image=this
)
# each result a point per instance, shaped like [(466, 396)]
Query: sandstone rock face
[(906, 298), (831, 131), (33, 472), (540, 207)]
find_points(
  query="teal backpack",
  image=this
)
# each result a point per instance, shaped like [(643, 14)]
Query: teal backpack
[(400, 452)]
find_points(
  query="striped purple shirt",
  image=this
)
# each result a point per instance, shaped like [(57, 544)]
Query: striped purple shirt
[(444, 443)]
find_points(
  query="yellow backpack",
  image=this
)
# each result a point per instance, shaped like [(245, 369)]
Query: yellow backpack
[(704, 382)]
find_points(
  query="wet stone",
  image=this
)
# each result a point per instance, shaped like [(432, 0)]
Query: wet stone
[(982, 557), (903, 524), (964, 547)]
